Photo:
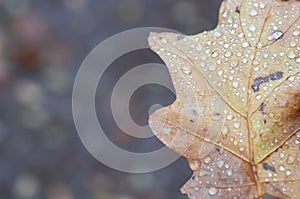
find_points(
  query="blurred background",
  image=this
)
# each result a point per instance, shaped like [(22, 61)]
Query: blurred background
[(42, 44)]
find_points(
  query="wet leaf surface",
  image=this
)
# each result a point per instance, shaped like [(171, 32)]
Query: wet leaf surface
[(236, 118)]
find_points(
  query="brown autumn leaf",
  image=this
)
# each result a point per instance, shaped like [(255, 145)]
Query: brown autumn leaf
[(236, 118)]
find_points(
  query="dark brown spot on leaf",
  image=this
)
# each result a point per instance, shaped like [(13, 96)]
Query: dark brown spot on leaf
[(268, 167), (276, 76), (262, 108), (180, 37), (238, 9), (258, 81), (193, 177), (265, 121)]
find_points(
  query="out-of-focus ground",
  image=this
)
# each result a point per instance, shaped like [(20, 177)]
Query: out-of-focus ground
[(42, 44)]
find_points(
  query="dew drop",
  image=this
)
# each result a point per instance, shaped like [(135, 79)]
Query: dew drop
[(245, 44), (242, 148), (195, 165), (199, 48), (228, 54), (229, 172), (293, 44), (234, 63), (288, 172), (215, 54), (291, 55), (186, 70), (203, 57), (296, 33), (245, 61), (258, 97), (229, 117), (290, 159), (259, 45), (212, 191), (237, 125), (212, 67), (220, 163), (252, 28), (220, 73), (235, 143), (262, 5), (291, 78), (235, 84), (164, 41), (207, 159), (277, 35), (224, 131), (217, 34), (281, 168), (253, 13), (196, 189), (221, 151), (203, 172)]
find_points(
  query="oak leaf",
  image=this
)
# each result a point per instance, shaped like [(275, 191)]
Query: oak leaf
[(236, 118)]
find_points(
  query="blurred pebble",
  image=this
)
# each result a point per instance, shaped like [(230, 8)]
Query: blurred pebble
[(141, 182), (84, 23), (59, 191), (16, 7), (27, 57), (184, 12), (130, 11), (4, 72), (31, 28), (2, 42), (57, 80), (109, 196), (99, 182), (124, 197), (34, 118), (3, 130), (29, 93), (54, 136), (75, 5), (26, 186)]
